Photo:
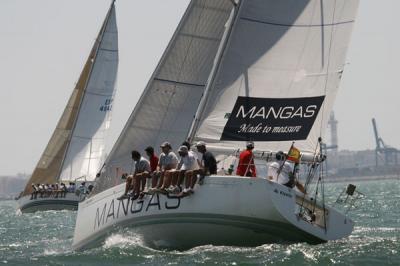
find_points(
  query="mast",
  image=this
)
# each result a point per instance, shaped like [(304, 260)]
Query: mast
[(96, 47), (218, 58)]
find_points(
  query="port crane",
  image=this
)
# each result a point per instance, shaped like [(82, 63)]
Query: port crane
[(383, 151)]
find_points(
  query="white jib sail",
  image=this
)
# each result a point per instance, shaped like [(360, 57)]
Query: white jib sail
[(279, 75), (86, 150)]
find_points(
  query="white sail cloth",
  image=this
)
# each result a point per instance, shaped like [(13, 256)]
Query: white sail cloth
[(168, 104), (86, 151), (279, 75)]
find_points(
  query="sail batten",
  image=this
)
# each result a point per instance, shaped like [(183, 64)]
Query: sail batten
[(297, 25), (62, 148)]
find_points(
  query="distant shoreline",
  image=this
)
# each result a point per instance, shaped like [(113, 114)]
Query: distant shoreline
[(361, 178)]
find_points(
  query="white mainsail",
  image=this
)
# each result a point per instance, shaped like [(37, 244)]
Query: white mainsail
[(76, 147), (168, 104), (279, 75)]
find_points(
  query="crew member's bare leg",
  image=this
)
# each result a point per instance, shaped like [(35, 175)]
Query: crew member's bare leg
[(161, 181), (144, 180), (194, 179), (175, 177), (167, 179), (128, 184), (181, 178)]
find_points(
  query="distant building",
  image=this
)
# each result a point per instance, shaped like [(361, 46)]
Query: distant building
[(347, 163)]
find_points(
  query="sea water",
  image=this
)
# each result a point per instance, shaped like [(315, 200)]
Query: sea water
[(45, 238)]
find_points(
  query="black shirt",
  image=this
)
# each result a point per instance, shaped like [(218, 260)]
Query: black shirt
[(210, 163)]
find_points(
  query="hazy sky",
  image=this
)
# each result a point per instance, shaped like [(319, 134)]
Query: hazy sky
[(44, 44)]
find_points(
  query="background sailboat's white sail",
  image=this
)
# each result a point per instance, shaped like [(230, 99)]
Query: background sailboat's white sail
[(167, 106), (77, 142), (279, 74), (86, 151)]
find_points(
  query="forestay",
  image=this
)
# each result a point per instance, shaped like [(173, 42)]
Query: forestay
[(279, 74), (77, 145), (167, 106)]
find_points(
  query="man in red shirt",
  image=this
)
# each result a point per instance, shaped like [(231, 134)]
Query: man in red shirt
[(153, 161), (246, 165)]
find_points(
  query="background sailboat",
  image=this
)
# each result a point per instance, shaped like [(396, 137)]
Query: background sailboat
[(277, 65), (76, 149)]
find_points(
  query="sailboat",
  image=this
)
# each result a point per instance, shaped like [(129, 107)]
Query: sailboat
[(235, 71), (76, 149)]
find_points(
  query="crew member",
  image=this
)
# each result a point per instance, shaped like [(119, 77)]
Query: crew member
[(246, 165)]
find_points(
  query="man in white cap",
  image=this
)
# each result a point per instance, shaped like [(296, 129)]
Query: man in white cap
[(185, 167), (179, 175), (188, 166), (208, 163)]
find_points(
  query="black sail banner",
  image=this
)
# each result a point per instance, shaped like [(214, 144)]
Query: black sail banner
[(271, 119)]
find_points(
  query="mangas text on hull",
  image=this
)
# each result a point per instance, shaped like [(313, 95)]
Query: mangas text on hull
[(223, 211)]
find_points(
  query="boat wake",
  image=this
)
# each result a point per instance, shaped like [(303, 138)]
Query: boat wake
[(121, 240)]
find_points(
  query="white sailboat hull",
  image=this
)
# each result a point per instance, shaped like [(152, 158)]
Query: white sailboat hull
[(223, 211), (69, 202)]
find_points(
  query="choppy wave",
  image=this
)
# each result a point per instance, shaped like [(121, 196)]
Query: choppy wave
[(45, 238)]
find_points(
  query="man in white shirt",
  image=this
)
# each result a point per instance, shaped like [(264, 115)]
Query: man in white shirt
[(190, 167), (283, 172), (179, 175)]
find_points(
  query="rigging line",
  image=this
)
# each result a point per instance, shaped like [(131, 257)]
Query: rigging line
[(311, 174), (328, 64), (323, 192), (323, 195)]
